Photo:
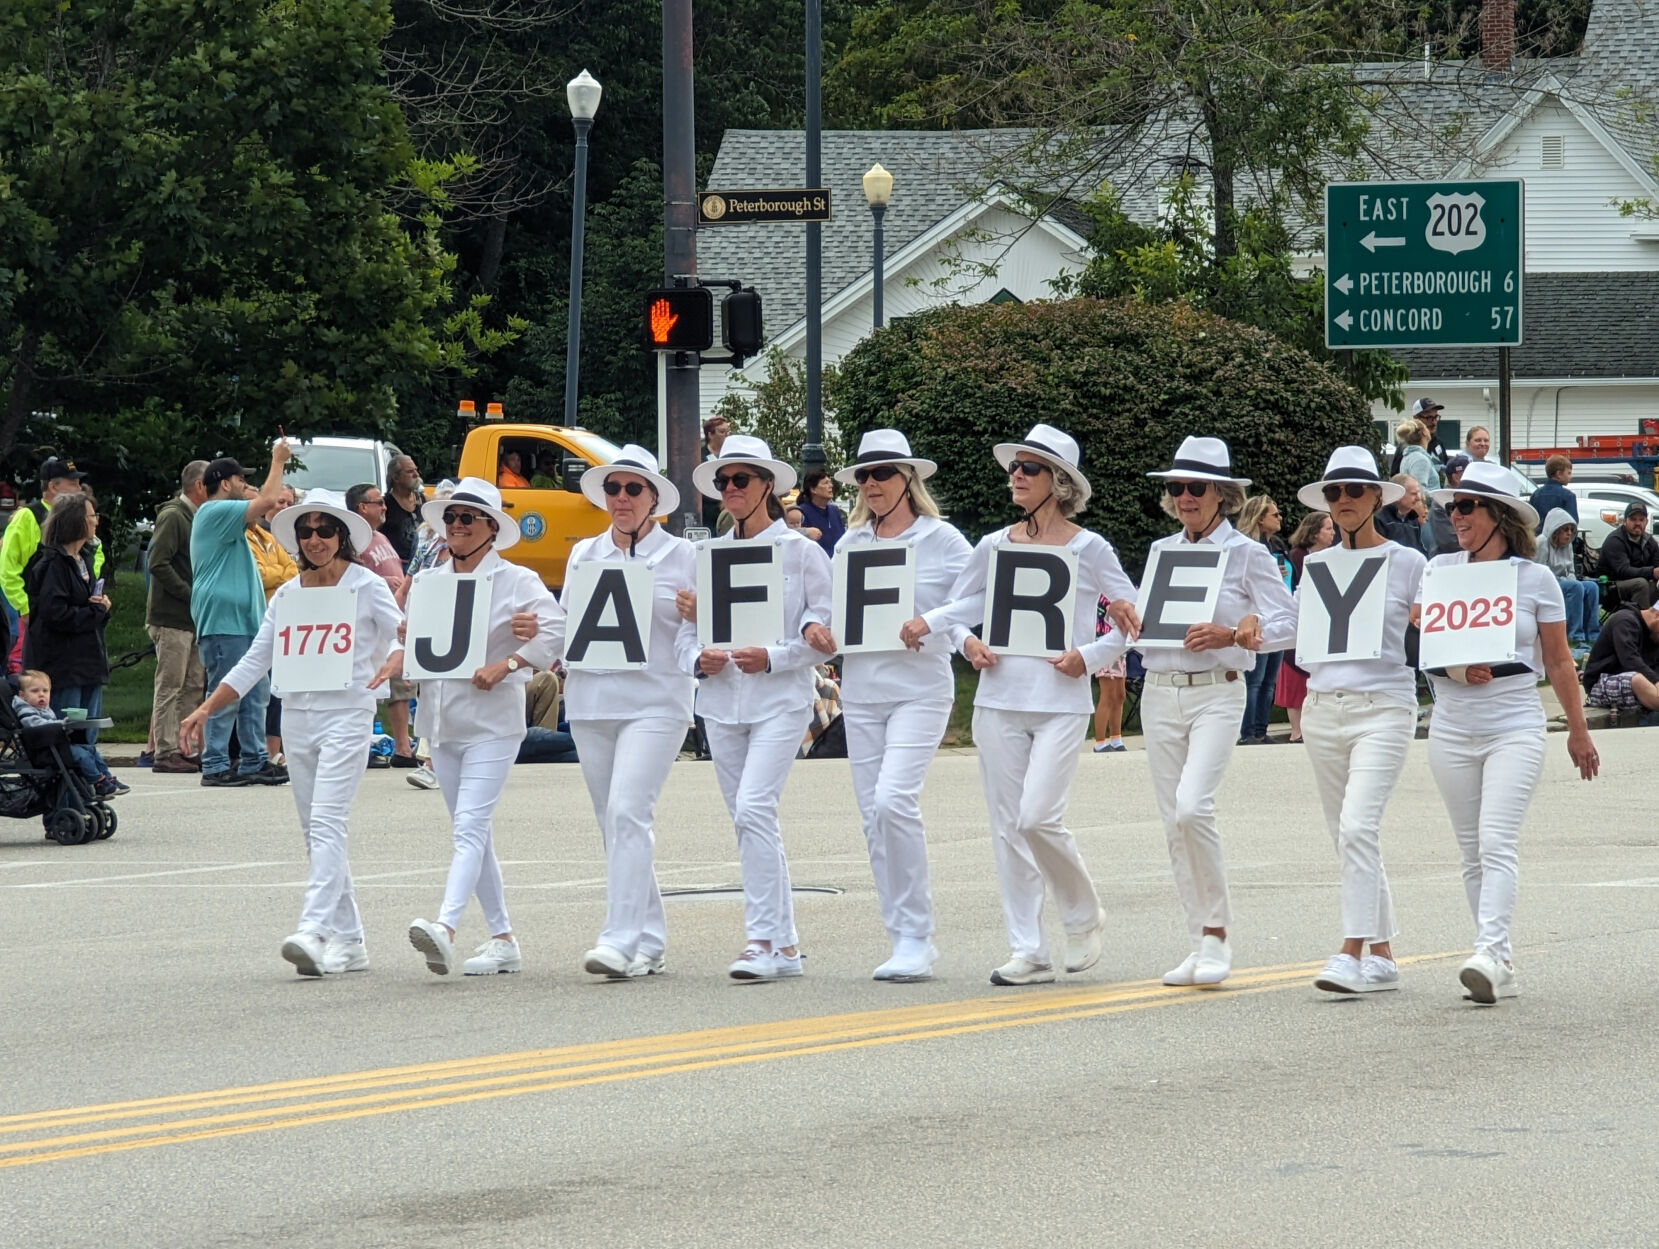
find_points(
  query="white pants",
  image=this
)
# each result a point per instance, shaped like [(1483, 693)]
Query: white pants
[(1487, 783), (1357, 745), (889, 746), (1190, 731), (328, 752), (625, 763), (752, 762), (1027, 760), (471, 776)]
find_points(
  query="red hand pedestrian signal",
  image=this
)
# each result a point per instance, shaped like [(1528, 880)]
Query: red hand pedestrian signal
[(662, 320), (679, 318)]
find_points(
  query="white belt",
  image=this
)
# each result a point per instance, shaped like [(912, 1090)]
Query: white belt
[(1213, 677)]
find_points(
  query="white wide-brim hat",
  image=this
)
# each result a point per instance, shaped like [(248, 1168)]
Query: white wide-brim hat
[(481, 496), (1346, 465), (885, 446), (1488, 480), (1202, 459), (329, 503), (736, 451), (1054, 445), (637, 460)]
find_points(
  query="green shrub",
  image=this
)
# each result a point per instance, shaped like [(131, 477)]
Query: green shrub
[(1128, 380)]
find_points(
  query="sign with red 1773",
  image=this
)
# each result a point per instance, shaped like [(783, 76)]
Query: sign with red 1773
[(314, 638), (1468, 614)]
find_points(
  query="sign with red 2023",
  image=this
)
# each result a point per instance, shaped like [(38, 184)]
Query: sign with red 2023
[(314, 639), (1468, 614)]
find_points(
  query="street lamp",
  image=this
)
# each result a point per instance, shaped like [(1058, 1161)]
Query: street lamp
[(878, 189), (583, 92)]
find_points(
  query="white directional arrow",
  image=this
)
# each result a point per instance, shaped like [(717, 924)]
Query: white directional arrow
[(1371, 242), (1345, 284), (1345, 320)]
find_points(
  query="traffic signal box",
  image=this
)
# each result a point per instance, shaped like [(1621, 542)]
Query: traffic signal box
[(679, 318)]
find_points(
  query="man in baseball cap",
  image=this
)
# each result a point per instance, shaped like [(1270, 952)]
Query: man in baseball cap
[(1427, 411), (58, 476)]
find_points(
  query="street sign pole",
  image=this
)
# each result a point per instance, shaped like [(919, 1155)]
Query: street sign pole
[(682, 397), (1506, 452), (812, 450)]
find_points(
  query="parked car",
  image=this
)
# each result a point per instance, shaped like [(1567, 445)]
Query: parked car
[(340, 463), (1601, 506)]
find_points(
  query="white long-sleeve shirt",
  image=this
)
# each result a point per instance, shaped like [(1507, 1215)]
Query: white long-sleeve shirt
[(453, 710), (1027, 682), (661, 688), (375, 637), (904, 675), (733, 697)]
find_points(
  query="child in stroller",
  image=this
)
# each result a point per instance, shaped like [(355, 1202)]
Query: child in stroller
[(33, 705), (39, 775)]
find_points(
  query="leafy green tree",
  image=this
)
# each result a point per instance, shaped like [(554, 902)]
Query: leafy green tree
[(775, 408)]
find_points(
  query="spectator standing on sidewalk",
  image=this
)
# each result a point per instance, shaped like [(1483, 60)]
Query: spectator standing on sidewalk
[(276, 569), (369, 502), (1553, 494), (57, 477), (180, 682), (403, 507)]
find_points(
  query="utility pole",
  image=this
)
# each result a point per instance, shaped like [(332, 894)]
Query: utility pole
[(812, 452), (679, 246)]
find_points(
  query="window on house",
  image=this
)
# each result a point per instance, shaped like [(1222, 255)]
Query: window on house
[(1004, 296), (1553, 151)]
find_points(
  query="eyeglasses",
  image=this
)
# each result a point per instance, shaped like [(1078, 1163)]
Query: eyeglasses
[(1196, 489), (325, 530), (1463, 507), (882, 472), (724, 481), (614, 488), (1352, 489), (1030, 468), (374, 502), (453, 517)]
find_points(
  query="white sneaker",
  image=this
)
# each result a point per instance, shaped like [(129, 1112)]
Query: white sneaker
[(1342, 974), (345, 954), (1019, 970), (1215, 960), (305, 950), (912, 961), (787, 965), (755, 963), (1182, 975), (1380, 973), (1083, 952), (494, 957), (604, 961), (1487, 979), (436, 944), (422, 778), (647, 965)]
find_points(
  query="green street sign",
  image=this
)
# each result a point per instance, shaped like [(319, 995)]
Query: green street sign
[(1424, 264)]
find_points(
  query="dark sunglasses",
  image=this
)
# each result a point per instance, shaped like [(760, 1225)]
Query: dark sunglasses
[(1029, 467), (325, 530), (614, 488), (1352, 489), (1175, 489), (740, 480), (453, 517), (1464, 507), (882, 472)]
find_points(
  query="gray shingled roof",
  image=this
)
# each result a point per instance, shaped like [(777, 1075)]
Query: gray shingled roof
[(1577, 325)]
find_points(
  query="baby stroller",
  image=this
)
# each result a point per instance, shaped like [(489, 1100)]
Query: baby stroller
[(38, 777)]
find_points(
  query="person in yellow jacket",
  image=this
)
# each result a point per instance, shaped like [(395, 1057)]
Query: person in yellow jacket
[(57, 477), (276, 568)]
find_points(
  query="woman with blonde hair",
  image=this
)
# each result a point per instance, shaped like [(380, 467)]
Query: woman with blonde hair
[(1259, 520), (1413, 437)]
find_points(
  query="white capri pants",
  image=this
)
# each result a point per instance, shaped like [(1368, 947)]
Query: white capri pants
[(751, 762), (1027, 760), (328, 752), (625, 764), (890, 746), (471, 776), (1357, 745), (1487, 782), (1190, 731)]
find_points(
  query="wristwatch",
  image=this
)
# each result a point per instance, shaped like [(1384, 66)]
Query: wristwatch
[(513, 663)]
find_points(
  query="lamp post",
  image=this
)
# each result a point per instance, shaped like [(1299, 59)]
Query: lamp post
[(583, 92), (878, 189)]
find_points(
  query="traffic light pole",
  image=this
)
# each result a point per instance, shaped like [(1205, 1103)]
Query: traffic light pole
[(679, 180), (812, 451)]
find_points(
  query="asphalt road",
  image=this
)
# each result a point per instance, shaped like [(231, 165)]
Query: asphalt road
[(167, 1080)]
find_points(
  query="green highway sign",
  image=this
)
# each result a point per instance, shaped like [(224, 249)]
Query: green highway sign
[(1424, 264)]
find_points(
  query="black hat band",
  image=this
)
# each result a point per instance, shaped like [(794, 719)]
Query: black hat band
[(1354, 474), (1199, 466)]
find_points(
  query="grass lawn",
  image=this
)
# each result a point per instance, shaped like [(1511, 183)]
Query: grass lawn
[(127, 696)]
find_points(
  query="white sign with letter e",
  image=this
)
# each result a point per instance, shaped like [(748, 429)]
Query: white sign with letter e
[(875, 594), (740, 594), (1468, 614), (1179, 589), (609, 606), (448, 627), (1030, 599), (1341, 602), (315, 638)]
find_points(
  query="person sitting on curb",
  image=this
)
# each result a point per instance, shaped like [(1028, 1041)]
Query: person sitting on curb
[(1562, 550), (1622, 673), (1630, 557)]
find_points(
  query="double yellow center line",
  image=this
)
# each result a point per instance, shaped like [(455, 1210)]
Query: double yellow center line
[(115, 1127)]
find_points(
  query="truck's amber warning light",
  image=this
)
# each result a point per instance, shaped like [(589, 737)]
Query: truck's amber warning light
[(679, 318)]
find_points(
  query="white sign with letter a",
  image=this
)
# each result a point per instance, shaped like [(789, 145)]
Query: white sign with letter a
[(448, 632), (1341, 602), (315, 638), (1030, 599), (1179, 589), (609, 606), (875, 594), (740, 594), (1468, 614)]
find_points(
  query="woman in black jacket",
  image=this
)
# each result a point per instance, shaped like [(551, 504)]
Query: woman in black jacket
[(68, 610)]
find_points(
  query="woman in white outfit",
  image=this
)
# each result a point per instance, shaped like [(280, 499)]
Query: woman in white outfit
[(1030, 714), (1358, 720), (476, 722), (896, 703), (1194, 695), (325, 733), (1487, 735), (755, 700), (630, 723)]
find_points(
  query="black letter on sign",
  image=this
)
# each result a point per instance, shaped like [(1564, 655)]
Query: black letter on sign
[(860, 595), (1341, 605), (610, 590), (465, 593), (722, 559), (1048, 604), (1164, 592)]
